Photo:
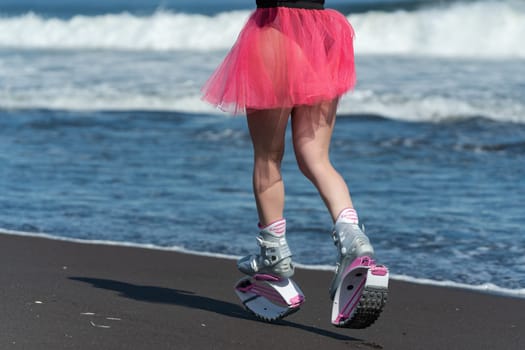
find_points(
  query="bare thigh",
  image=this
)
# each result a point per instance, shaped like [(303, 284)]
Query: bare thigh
[(312, 128), (267, 131)]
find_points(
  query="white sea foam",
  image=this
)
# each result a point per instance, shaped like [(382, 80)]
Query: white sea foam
[(117, 243), (160, 31), (477, 30), (430, 108), (485, 288), (489, 29)]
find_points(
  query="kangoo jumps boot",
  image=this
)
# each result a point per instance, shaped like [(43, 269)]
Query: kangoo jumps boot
[(275, 257), (268, 292), (351, 243), (359, 289)]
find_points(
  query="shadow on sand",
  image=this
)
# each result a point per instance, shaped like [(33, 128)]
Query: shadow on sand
[(189, 299)]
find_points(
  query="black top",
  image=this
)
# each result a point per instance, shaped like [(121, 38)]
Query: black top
[(303, 4)]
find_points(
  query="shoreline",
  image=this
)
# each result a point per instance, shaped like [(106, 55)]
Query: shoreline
[(487, 288), (60, 294)]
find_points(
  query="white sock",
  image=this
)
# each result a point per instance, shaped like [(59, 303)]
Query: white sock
[(276, 228), (348, 215)]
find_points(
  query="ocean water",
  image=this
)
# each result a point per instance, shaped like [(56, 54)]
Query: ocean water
[(103, 136)]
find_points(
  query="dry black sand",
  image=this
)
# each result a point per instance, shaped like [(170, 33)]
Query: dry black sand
[(64, 295)]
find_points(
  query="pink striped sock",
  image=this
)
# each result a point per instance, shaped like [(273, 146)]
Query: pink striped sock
[(276, 228), (348, 215)]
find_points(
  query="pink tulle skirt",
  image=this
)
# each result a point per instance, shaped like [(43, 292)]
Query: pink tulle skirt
[(285, 57)]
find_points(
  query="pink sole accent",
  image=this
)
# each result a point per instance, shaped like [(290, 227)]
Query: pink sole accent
[(269, 293), (265, 277), (364, 261), (262, 290), (351, 304), (296, 301), (244, 287), (379, 270)]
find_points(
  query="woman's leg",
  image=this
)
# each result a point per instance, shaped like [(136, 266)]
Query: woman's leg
[(267, 131), (312, 133), (312, 128)]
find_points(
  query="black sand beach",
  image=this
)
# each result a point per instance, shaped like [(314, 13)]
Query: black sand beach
[(63, 295)]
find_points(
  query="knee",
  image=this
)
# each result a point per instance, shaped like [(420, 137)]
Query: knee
[(313, 166), (268, 165), (305, 166), (273, 158)]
